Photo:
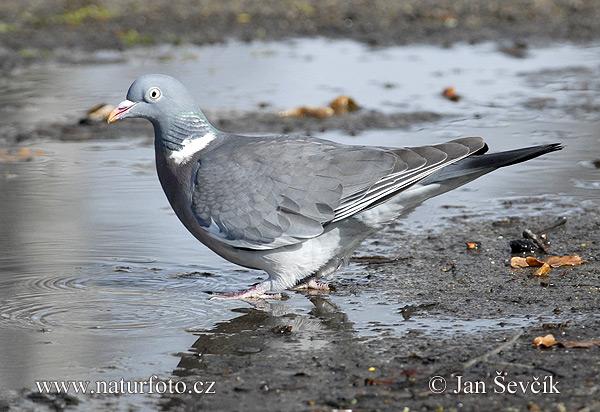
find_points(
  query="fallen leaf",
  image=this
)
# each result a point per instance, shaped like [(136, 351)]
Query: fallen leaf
[(524, 262), (375, 382), (531, 261), (518, 262), (340, 105), (307, 111), (543, 270), (552, 261), (556, 261), (22, 154), (546, 341), (343, 105), (243, 18), (583, 344), (473, 245), (100, 112), (450, 94)]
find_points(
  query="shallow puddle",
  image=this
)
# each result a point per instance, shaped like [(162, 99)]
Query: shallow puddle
[(99, 279)]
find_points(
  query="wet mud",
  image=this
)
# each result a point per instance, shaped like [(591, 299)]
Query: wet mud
[(272, 358)]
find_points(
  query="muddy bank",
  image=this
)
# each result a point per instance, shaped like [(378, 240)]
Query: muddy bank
[(284, 362), (230, 121), (270, 358), (69, 31)]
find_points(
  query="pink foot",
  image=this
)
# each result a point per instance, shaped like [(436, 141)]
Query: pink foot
[(256, 292), (313, 284)]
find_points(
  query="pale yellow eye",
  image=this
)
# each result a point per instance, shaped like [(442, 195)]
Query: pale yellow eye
[(154, 93)]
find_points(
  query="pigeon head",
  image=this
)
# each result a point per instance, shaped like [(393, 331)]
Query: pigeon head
[(155, 97), (178, 123)]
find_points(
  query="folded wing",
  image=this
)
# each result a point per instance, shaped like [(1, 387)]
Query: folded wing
[(268, 192)]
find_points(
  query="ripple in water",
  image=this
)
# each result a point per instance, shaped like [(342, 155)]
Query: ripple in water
[(111, 296), (586, 185)]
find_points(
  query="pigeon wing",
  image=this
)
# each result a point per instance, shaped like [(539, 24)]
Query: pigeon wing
[(413, 165), (268, 192)]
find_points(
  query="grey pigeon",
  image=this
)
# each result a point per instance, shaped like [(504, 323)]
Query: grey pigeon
[(295, 207)]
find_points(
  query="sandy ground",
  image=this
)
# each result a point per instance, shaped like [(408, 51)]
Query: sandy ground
[(256, 361)]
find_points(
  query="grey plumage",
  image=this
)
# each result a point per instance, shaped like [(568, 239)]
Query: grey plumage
[(295, 207), (274, 191)]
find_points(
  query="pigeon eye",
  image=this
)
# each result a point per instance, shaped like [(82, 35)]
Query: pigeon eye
[(154, 93)]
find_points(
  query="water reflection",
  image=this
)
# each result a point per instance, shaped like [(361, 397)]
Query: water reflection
[(281, 353), (261, 339), (268, 328)]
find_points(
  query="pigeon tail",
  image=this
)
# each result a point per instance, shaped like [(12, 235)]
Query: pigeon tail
[(477, 165)]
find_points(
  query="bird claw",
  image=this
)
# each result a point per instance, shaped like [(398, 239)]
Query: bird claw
[(247, 296), (255, 293), (312, 284)]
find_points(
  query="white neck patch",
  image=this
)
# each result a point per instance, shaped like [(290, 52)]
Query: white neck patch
[(190, 148)]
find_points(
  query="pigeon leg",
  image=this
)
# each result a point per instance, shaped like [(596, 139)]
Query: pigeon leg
[(311, 283), (258, 291)]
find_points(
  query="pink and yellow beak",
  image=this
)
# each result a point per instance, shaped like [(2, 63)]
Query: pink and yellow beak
[(121, 110)]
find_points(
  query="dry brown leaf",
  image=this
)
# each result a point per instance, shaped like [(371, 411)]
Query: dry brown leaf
[(546, 341), (473, 245), (99, 112), (450, 94), (543, 270), (553, 261), (583, 344), (24, 151), (243, 18), (556, 261), (343, 105), (375, 382), (518, 262), (531, 261), (524, 262), (307, 111), (22, 154), (340, 105)]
